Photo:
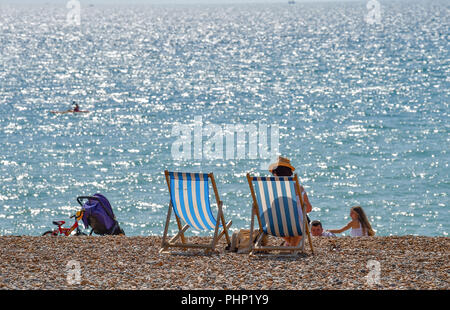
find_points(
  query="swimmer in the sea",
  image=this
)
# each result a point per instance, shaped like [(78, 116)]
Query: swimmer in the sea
[(76, 108)]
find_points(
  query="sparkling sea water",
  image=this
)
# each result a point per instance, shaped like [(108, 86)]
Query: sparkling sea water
[(362, 108)]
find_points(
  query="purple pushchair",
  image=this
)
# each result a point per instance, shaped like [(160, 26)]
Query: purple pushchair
[(99, 215)]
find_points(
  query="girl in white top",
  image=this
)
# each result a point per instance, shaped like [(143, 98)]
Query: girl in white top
[(360, 225)]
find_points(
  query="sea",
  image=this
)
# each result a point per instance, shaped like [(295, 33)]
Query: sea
[(355, 94)]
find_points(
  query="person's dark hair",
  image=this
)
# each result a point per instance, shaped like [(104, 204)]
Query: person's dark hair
[(316, 223), (282, 171)]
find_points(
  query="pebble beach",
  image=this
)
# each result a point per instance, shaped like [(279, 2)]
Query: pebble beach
[(134, 263)]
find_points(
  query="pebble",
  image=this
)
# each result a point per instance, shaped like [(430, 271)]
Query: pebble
[(119, 262)]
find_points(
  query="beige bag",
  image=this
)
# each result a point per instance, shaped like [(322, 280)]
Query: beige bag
[(240, 240)]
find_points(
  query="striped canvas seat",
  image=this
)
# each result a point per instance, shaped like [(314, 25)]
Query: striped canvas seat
[(279, 210), (189, 199)]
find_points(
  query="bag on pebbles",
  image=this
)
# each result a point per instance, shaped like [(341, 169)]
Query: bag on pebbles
[(240, 240)]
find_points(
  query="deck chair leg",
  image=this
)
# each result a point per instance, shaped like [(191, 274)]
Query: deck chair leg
[(224, 225), (166, 245), (305, 222), (309, 238), (255, 245), (166, 228), (251, 245), (225, 229), (216, 230), (220, 216), (179, 234), (183, 239), (223, 232), (218, 236)]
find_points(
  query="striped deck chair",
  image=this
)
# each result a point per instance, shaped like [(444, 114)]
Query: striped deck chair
[(276, 206), (189, 199)]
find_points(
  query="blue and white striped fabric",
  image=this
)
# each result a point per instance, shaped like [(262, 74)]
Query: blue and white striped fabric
[(279, 206), (190, 199)]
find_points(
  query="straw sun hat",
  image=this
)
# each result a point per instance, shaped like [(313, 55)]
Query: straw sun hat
[(282, 161)]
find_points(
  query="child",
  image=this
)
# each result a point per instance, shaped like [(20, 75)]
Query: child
[(317, 230), (359, 224)]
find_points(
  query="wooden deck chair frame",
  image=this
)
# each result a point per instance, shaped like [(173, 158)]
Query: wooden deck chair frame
[(256, 246), (174, 242)]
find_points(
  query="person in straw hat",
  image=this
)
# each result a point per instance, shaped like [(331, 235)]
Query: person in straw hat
[(283, 168)]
